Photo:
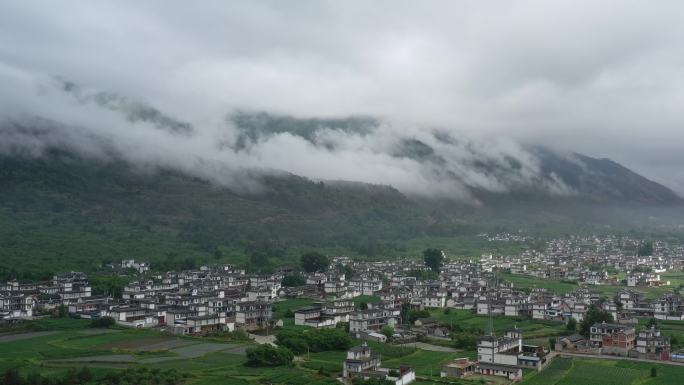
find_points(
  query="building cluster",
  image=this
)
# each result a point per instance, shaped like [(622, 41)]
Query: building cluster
[(130, 264), (189, 302), (505, 237), (619, 340), (363, 363), (222, 298), (507, 356), (213, 295), (591, 260), (201, 301), (21, 300)]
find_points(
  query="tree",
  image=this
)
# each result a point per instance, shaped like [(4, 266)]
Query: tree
[(654, 371), (572, 325), (346, 269), (218, 254), (12, 377), (268, 355), (317, 340), (62, 311), (645, 249), (388, 331), (594, 315), (258, 258), (103, 322), (363, 305), (296, 344), (674, 341), (313, 262), (84, 375), (652, 322), (464, 340), (293, 280), (405, 313), (433, 259), (416, 314)]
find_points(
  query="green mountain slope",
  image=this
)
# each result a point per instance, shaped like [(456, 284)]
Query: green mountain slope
[(61, 212), (61, 207)]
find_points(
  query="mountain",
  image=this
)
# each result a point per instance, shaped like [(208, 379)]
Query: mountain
[(568, 175), (64, 211), (603, 180), (69, 197)]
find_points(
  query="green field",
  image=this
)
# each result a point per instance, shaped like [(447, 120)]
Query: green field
[(524, 281), (676, 278), (467, 320), (608, 291), (206, 361), (590, 371), (68, 343), (365, 298)]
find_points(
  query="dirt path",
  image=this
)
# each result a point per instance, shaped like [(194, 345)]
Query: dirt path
[(196, 350), (430, 347), (605, 357), (113, 358), (25, 336), (269, 339)]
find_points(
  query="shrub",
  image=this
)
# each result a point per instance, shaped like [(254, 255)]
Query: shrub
[(388, 331), (294, 280), (268, 355), (103, 322), (464, 340), (296, 344), (318, 340)]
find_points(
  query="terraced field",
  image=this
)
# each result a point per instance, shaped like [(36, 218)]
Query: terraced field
[(207, 361), (216, 362)]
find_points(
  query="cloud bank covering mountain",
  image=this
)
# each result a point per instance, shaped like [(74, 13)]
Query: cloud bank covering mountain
[(440, 99)]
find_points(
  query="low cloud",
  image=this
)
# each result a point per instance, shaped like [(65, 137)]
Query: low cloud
[(415, 160), (157, 80)]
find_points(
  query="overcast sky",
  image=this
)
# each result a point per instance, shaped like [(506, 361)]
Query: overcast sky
[(604, 78)]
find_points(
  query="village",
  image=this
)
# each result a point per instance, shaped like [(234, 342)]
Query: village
[(397, 302)]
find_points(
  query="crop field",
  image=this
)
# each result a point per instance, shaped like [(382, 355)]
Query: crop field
[(468, 320), (280, 308), (591, 371), (366, 299), (424, 362), (562, 287), (207, 361), (524, 281)]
